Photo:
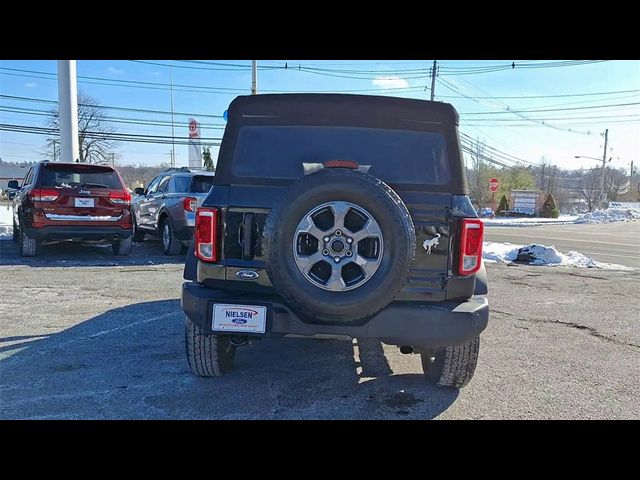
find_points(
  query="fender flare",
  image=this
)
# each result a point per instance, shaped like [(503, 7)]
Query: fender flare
[(481, 286)]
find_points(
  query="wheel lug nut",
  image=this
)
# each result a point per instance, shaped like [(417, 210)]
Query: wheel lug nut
[(337, 259), (349, 240), (326, 239), (338, 233), (325, 252), (349, 253)]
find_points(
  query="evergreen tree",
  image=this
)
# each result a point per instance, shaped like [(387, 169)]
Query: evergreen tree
[(504, 205), (549, 209), (207, 160)]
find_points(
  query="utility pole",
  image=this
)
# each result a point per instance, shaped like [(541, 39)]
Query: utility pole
[(113, 159), (68, 102), (173, 130), (604, 165), (254, 77), (55, 158), (433, 79), (631, 180)]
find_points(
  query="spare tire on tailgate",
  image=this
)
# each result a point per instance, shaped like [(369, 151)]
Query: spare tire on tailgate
[(339, 245)]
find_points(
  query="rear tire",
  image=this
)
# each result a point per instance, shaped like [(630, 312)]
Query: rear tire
[(15, 236), (451, 366), (28, 246), (208, 355), (122, 247), (170, 244), (138, 235)]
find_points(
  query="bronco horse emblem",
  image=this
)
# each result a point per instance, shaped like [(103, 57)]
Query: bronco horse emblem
[(429, 244)]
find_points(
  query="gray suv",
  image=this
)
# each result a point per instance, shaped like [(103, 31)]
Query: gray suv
[(167, 207)]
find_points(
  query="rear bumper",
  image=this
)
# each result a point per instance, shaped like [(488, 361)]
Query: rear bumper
[(77, 232), (400, 323)]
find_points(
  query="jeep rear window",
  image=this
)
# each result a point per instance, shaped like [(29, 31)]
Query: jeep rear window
[(394, 156), (76, 176)]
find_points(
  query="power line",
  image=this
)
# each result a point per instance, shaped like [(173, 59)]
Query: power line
[(111, 107)]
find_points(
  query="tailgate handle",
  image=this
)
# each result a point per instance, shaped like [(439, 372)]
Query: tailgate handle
[(247, 230)]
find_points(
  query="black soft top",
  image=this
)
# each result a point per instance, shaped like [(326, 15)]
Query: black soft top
[(368, 111)]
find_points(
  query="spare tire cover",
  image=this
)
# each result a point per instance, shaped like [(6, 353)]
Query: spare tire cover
[(339, 245)]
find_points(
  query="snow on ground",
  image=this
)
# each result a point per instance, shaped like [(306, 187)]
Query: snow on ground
[(610, 215), (528, 222), (541, 255), (6, 223)]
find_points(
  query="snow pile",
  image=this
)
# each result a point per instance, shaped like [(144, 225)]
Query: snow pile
[(541, 255), (499, 252), (528, 221), (610, 215), (6, 222)]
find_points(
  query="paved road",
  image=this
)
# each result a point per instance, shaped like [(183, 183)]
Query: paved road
[(88, 335), (613, 243)]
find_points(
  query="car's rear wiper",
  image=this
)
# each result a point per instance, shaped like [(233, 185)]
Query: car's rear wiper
[(93, 185)]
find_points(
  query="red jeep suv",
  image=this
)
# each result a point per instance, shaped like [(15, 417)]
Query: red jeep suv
[(72, 201)]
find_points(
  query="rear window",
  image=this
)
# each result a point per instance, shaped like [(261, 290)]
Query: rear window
[(201, 183), (77, 176), (289, 152), (195, 184)]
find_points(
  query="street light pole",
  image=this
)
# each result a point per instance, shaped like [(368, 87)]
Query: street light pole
[(68, 106)]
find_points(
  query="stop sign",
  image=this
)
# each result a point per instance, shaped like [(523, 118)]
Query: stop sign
[(493, 184)]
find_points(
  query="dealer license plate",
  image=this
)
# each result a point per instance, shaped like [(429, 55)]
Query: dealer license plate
[(239, 318), (85, 202)]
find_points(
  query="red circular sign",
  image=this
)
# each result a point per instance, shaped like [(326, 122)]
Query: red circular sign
[(193, 126), (493, 184)]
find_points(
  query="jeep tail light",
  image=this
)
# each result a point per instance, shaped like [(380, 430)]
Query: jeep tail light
[(43, 195), (120, 198), (206, 237), (189, 204), (471, 236)]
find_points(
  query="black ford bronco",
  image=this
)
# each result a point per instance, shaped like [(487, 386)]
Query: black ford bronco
[(338, 216)]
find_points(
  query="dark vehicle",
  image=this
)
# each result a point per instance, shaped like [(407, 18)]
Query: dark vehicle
[(338, 216), (167, 207), (12, 188), (72, 201)]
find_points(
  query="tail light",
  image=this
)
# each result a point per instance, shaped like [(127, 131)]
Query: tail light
[(471, 236), (189, 204), (43, 195), (120, 198), (206, 237)]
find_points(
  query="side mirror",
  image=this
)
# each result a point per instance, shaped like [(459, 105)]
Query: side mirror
[(13, 184), (139, 191)]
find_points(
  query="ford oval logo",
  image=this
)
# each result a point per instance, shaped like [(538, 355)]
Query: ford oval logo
[(247, 274), (239, 321)]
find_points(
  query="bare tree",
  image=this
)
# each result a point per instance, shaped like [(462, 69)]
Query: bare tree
[(478, 183), (617, 183), (589, 186), (95, 133)]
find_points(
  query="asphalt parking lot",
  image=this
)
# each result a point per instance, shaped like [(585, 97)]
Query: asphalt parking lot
[(85, 334)]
